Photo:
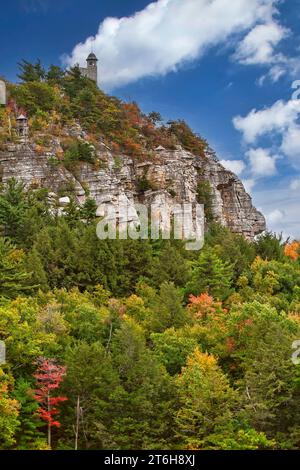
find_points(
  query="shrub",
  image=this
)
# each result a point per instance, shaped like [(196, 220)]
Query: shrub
[(205, 197), (79, 151)]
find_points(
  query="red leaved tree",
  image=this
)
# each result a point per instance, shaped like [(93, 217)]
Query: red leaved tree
[(204, 305), (49, 376)]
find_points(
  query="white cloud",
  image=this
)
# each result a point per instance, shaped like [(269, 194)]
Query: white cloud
[(277, 118), (275, 216), (168, 33), (258, 46), (291, 145), (249, 184), (236, 166), (295, 185), (281, 120), (283, 65), (276, 72), (282, 208), (262, 163)]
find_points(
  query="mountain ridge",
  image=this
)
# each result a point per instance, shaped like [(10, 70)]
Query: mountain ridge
[(85, 144)]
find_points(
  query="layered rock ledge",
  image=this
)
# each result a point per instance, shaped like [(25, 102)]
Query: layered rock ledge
[(173, 176)]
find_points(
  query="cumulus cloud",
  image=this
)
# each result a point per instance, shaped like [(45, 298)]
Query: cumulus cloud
[(236, 166), (259, 44), (282, 208), (262, 163), (168, 33), (259, 47), (277, 118), (281, 120)]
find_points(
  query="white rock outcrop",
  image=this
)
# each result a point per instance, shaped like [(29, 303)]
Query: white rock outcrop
[(173, 176)]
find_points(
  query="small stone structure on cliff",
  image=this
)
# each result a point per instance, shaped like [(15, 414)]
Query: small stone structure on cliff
[(3, 98), (22, 128), (91, 70)]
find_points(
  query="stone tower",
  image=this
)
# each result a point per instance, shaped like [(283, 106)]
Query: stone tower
[(92, 67), (2, 93), (22, 128), (91, 70)]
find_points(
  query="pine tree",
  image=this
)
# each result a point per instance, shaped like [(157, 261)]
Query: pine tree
[(89, 383), (207, 400), (141, 407), (263, 340), (34, 265), (13, 205), (88, 211), (169, 265), (31, 72), (210, 274), (14, 280), (55, 75), (28, 435), (168, 309)]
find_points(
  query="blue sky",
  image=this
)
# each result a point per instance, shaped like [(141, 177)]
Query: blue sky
[(225, 66)]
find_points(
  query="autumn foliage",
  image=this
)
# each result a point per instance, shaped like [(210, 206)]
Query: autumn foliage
[(204, 305), (292, 250), (49, 376)]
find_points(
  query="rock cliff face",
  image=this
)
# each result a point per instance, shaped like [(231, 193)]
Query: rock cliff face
[(171, 176)]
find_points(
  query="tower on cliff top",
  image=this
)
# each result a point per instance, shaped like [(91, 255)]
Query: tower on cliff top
[(91, 71), (3, 98), (92, 67), (22, 128)]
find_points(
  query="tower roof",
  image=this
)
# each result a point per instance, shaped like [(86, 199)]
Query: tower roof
[(21, 117), (92, 56)]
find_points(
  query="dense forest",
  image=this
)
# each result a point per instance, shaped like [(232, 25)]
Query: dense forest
[(124, 344)]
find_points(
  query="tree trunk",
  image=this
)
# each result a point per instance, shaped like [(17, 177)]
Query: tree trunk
[(77, 422), (49, 422)]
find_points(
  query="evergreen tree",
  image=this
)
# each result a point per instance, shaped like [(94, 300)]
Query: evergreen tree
[(206, 400), (170, 264), (88, 210), (34, 266), (168, 309), (90, 381), (262, 341), (31, 72), (14, 280), (270, 246), (13, 206), (55, 75), (28, 435), (210, 274), (142, 405)]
